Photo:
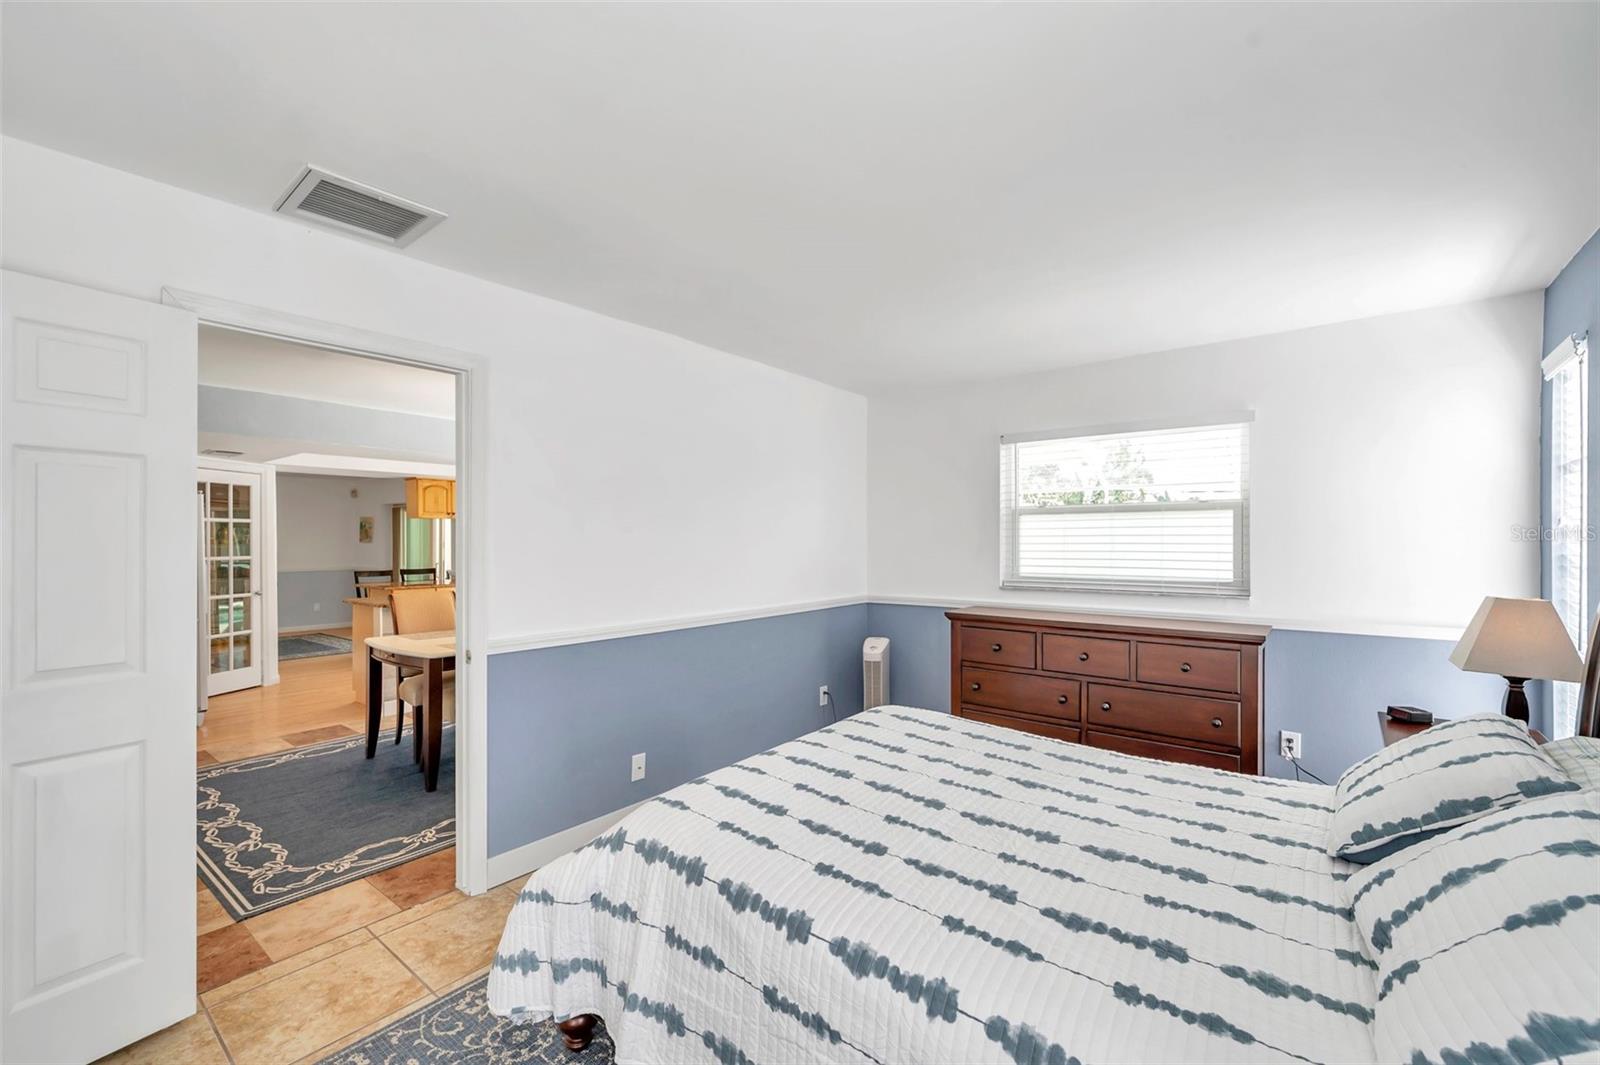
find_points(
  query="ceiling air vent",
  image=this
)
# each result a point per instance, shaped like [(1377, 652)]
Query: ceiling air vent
[(357, 209)]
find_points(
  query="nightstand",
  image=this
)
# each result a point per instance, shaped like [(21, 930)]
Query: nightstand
[(1394, 731)]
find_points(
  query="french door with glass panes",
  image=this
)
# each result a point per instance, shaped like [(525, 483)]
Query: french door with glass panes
[(231, 557)]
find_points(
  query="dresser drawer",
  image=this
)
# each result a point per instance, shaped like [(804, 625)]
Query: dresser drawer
[(1178, 716), (1021, 692), (1002, 647), (1167, 752), (1021, 724), (1212, 668), (1086, 655)]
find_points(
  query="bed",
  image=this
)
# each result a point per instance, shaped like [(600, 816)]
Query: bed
[(907, 886)]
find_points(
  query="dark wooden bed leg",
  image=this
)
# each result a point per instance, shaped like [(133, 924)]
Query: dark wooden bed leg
[(577, 1031)]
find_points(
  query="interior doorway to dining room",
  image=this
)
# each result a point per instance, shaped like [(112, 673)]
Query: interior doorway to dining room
[(326, 807)]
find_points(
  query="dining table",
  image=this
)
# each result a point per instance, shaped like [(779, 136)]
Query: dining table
[(434, 654)]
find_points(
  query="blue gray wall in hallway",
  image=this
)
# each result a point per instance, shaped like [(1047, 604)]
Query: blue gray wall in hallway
[(314, 597)]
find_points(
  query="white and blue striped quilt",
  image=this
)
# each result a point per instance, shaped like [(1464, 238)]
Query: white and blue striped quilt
[(908, 886)]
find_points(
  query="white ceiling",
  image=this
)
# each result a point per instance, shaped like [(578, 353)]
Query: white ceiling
[(232, 359), (876, 194)]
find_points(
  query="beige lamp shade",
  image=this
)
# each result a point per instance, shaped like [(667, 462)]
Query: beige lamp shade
[(1518, 638)]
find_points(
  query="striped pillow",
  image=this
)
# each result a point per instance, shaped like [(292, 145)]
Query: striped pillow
[(1448, 775), (1487, 938), (1578, 757)]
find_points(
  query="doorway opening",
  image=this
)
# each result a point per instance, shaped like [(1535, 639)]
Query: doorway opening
[(326, 496)]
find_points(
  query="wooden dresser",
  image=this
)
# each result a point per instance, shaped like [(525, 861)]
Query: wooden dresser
[(1183, 691)]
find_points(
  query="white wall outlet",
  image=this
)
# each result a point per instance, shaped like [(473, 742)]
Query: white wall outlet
[(822, 695), (1289, 744), (315, 607), (638, 767)]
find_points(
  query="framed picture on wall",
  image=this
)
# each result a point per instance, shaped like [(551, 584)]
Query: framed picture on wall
[(364, 530)]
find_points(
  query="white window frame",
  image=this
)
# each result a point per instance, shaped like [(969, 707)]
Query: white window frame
[(1567, 368), (1011, 510)]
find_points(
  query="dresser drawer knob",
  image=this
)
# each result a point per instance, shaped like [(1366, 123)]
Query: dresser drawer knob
[(976, 686), (1062, 699), (995, 648), (1105, 706), (1184, 668), (1083, 656), (1216, 722)]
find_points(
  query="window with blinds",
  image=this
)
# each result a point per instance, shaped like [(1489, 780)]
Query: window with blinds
[(1153, 510), (1567, 370)]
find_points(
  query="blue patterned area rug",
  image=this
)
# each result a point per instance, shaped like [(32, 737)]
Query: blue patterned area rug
[(311, 645), (459, 1028), (273, 829)]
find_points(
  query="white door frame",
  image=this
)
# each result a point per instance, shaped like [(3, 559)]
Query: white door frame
[(267, 532), (472, 566)]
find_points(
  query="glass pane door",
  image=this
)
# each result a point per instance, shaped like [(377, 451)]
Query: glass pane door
[(232, 592)]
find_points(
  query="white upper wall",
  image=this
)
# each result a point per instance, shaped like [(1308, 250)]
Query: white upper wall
[(1390, 460), (632, 476), (318, 522)]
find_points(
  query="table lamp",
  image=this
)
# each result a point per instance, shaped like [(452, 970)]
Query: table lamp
[(1520, 639)]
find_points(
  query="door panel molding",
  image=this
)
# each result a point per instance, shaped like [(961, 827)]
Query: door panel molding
[(59, 493)]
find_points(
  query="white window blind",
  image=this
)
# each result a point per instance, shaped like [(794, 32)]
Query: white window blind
[(1567, 370), (1154, 510)]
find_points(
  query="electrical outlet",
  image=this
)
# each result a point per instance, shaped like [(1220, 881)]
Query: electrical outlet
[(1289, 745), (638, 766), (822, 696)]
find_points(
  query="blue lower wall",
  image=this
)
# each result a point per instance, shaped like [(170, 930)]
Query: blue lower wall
[(314, 597), (564, 722), (1326, 686)]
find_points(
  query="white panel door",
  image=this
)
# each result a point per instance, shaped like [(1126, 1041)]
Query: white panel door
[(97, 661)]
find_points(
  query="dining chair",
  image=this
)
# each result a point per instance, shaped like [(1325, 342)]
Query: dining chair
[(417, 610), (365, 577), (410, 691), (420, 575)]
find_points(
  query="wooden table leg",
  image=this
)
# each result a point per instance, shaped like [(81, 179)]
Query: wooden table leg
[(577, 1031), (433, 715), (374, 701)]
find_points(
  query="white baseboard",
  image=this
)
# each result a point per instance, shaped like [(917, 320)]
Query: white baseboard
[(530, 856), (290, 630)]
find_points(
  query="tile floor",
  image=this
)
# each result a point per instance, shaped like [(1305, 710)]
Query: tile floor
[(297, 983)]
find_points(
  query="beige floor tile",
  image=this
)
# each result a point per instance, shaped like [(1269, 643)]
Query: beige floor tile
[(292, 1016), (361, 1033), (476, 974), (285, 967), (210, 914), (299, 926), (189, 1042), (450, 944), (416, 913)]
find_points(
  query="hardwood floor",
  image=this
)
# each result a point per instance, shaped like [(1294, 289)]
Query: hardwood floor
[(312, 698), (304, 980)]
